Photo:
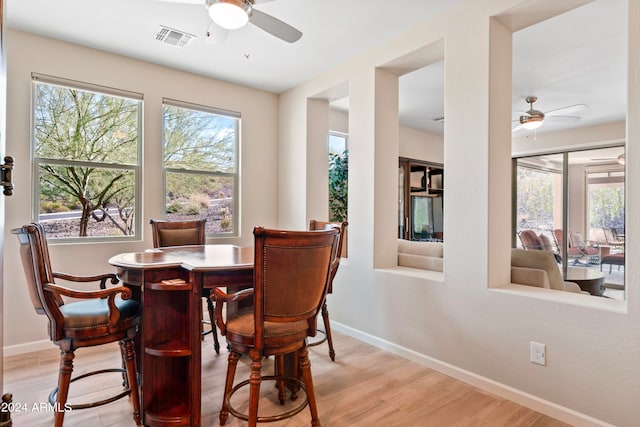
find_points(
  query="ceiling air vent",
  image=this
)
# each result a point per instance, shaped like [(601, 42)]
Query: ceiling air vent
[(173, 37)]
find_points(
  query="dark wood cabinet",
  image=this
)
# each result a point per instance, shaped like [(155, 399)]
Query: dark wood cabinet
[(171, 351), (420, 199)]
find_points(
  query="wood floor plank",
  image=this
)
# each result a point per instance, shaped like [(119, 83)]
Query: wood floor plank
[(365, 387)]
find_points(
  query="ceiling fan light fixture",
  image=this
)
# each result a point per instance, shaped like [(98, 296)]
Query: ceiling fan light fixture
[(230, 14), (531, 123)]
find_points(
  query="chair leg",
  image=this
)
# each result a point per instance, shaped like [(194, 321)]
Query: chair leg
[(282, 391), (64, 378), (228, 385), (128, 358), (214, 332), (255, 378), (327, 329), (305, 367)]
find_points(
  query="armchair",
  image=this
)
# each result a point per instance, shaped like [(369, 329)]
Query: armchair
[(97, 317), (539, 269)]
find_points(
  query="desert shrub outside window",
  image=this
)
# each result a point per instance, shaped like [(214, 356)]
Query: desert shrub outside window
[(200, 155), (338, 176), (86, 149)]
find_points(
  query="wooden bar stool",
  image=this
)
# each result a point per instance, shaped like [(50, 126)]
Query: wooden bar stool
[(291, 276), (323, 225), (102, 316)]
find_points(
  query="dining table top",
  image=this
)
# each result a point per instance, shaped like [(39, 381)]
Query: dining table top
[(192, 258)]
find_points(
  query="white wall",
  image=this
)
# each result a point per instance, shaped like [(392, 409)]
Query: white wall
[(421, 145), (23, 329), (414, 143), (338, 121), (470, 322)]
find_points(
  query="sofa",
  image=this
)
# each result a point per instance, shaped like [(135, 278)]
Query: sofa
[(539, 269), (422, 255)]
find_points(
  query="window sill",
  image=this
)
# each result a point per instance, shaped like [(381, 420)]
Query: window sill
[(434, 276), (582, 300)]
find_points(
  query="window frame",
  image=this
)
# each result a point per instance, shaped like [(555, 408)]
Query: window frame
[(235, 176), (136, 167)]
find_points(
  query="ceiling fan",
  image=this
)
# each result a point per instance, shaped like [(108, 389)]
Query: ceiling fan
[(229, 15), (621, 159), (533, 119)]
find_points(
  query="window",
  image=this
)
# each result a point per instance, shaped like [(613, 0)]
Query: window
[(338, 176), (605, 201), (200, 155), (86, 143), (575, 197)]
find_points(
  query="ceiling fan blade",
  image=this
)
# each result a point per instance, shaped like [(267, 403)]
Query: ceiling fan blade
[(274, 26), (563, 118), (566, 110), (520, 113), (517, 128)]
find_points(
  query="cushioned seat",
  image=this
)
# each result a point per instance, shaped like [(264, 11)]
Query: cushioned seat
[(423, 255), (613, 259), (94, 314), (242, 325)]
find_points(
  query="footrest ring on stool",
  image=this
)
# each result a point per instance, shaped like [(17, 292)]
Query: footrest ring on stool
[(54, 392), (272, 418), (324, 339)]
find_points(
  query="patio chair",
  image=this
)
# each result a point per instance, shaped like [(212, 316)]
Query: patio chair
[(590, 248), (613, 239), (573, 253)]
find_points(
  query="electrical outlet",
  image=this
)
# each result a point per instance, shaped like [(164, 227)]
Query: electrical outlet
[(538, 353)]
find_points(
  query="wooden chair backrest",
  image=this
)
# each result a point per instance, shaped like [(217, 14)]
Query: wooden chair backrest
[(341, 250), (34, 253), (178, 233), (291, 276)]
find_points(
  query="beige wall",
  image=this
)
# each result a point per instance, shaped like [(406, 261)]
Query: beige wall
[(470, 322), (421, 145), (413, 143), (23, 329)]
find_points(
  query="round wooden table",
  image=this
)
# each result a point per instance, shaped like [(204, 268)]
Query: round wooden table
[(588, 279)]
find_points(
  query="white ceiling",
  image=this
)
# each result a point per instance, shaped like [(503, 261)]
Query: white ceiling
[(576, 58), (334, 31)]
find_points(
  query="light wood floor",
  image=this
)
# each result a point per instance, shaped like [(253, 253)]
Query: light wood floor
[(365, 386)]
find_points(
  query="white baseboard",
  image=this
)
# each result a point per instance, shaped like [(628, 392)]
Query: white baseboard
[(535, 403), (15, 350)]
